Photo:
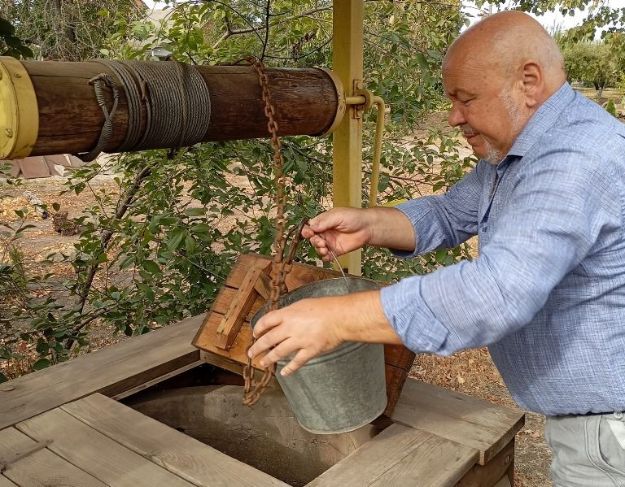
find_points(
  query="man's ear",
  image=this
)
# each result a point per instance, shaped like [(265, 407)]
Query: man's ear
[(533, 83)]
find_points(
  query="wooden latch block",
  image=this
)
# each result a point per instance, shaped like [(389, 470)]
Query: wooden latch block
[(252, 286)]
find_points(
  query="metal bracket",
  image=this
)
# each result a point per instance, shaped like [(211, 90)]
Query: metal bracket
[(19, 114), (361, 101)]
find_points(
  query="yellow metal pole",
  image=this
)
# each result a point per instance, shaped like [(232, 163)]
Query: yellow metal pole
[(347, 62)]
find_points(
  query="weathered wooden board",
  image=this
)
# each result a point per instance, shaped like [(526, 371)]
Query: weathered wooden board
[(401, 455), (398, 358), (95, 453), (41, 468), (111, 370), (457, 417), (502, 465), (172, 450), (5, 482)]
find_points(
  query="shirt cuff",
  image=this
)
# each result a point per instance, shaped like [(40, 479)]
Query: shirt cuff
[(426, 231), (411, 318)]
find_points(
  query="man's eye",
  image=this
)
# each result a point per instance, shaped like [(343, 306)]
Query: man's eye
[(466, 102)]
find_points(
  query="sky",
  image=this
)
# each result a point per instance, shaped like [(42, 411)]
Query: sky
[(553, 21)]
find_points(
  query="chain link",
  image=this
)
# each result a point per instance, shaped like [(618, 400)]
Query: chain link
[(280, 267)]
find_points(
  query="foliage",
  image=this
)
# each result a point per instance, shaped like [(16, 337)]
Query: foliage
[(163, 249), (591, 63), (10, 44), (598, 14), (64, 29)]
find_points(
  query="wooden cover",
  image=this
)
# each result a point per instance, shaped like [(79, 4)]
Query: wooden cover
[(398, 358)]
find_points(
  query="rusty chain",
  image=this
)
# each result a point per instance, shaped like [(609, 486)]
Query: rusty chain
[(280, 267)]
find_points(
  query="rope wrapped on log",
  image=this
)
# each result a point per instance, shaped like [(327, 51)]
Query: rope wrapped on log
[(50, 107), (170, 100)]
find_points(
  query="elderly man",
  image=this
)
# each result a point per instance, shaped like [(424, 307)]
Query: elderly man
[(547, 292)]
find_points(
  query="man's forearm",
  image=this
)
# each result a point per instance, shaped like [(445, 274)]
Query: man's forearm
[(366, 321), (390, 228)]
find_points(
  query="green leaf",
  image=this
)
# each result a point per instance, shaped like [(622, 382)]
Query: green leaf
[(151, 266), (194, 211), (200, 229), (42, 363), (43, 347), (176, 238)]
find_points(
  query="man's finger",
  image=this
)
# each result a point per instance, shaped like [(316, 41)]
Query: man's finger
[(301, 357), (267, 341), (280, 351), (266, 323), (308, 232)]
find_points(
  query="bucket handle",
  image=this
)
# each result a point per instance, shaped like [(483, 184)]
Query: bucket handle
[(295, 237)]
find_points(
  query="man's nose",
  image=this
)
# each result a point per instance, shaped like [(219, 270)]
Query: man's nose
[(455, 116)]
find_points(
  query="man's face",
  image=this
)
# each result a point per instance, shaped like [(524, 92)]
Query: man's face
[(488, 107)]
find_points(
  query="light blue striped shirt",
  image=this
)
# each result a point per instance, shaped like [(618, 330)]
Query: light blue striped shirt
[(547, 292)]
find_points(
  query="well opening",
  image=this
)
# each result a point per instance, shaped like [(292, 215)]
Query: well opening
[(206, 404)]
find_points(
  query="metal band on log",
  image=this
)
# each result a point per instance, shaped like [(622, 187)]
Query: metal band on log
[(49, 107)]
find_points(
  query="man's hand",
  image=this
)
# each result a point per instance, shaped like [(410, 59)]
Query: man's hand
[(339, 230), (342, 230), (311, 327)]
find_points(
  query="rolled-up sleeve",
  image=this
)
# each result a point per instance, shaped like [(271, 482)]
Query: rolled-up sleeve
[(445, 220), (553, 217)]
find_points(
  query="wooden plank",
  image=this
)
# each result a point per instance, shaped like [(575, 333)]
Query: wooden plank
[(458, 417), (240, 306), (492, 472), (398, 361), (5, 482), (186, 457), (400, 455), (438, 462), (110, 370), (41, 468), (95, 453)]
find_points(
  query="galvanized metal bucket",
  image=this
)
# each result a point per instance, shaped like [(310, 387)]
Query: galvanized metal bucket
[(344, 389)]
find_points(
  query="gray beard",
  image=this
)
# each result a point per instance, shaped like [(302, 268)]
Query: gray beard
[(494, 156)]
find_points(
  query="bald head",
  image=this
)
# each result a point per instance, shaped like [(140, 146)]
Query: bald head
[(497, 74), (502, 43)]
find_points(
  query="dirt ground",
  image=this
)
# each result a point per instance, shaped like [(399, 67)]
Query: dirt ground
[(470, 372)]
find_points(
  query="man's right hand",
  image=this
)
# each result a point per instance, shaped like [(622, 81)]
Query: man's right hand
[(342, 230)]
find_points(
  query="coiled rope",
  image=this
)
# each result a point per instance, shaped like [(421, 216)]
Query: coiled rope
[(168, 105)]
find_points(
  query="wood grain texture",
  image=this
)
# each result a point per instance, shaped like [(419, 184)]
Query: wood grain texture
[(95, 453), (489, 475), (401, 455), (110, 370), (457, 417), (70, 119), (240, 306), (178, 453), (5, 482), (42, 468)]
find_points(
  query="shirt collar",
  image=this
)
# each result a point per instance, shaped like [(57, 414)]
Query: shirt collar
[(542, 120)]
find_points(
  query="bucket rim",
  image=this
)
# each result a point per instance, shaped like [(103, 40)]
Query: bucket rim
[(343, 348)]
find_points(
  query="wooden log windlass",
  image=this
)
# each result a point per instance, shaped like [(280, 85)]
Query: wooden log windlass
[(50, 107)]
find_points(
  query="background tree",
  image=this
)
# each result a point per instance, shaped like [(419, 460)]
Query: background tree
[(68, 30), (591, 63)]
